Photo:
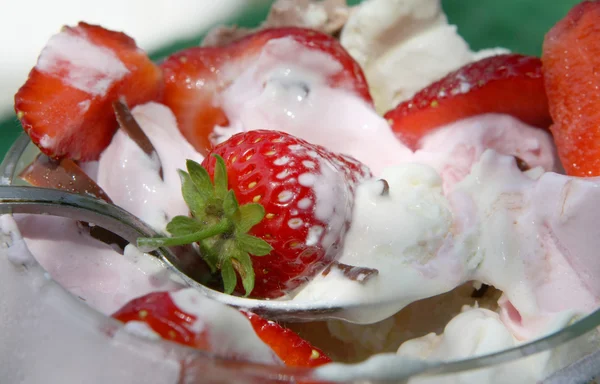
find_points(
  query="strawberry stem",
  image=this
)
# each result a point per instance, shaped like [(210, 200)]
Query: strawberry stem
[(149, 244), (218, 224)]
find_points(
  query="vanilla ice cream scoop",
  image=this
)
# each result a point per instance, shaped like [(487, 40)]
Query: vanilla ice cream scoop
[(402, 227)]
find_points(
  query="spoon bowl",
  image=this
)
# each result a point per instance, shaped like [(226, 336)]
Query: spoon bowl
[(44, 201)]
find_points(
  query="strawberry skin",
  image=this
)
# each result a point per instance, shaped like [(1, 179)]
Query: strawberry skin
[(283, 174), (194, 78), (571, 59), (291, 348), (511, 84), (65, 106), (160, 313)]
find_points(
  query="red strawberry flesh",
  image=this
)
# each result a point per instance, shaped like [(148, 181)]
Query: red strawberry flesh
[(571, 57), (291, 348), (510, 84), (162, 315), (66, 104)]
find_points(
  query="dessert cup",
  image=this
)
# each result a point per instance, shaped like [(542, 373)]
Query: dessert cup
[(109, 352)]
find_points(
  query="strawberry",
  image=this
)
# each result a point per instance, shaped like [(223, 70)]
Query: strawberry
[(509, 83), (197, 76), (162, 315), (65, 106), (158, 311), (291, 348), (571, 59), (304, 193)]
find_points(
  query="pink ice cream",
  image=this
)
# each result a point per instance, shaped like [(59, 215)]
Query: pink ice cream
[(536, 241)]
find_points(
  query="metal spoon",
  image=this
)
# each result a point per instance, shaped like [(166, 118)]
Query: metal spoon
[(35, 200)]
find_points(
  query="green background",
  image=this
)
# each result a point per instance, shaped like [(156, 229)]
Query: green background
[(518, 25)]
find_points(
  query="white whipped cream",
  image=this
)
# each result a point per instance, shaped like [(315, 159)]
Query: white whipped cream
[(410, 46), (475, 332), (131, 178), (405, 235)]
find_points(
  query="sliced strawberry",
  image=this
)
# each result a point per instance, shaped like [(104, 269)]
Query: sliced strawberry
[(291, 348), (196, 77), (511, 84), (66, 104), (160, 313), (571, 57), (158, 310)]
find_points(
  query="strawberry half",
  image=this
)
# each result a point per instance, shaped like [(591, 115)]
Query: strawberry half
[(275, 213), (197, 76), (65, 106), (571, 57), (162, 315), (291, 348), (511, 84)]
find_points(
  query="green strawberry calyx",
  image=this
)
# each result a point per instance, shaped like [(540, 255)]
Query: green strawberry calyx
[(218, 224)]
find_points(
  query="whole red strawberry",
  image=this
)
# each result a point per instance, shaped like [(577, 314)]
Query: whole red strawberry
[(571, 58), (512, 84), (276, 214), (195, 78), (66, 104)]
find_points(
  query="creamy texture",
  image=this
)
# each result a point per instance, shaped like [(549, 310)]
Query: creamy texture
[(88, 268), (536, 241), (499, 226), (455, 210), (43, 323), (418, 236), (475, 332), (48, 335), (405, 235), (410, 46), (93, 68), (131, 178), (285, 89), (452, 150)]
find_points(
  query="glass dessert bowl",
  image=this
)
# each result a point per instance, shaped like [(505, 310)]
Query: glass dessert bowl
[(552, 352), (129, 355)]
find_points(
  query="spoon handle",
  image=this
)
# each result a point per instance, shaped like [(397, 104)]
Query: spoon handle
[(44, 201)]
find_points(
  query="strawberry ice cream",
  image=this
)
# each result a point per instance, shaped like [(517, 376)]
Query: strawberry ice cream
[(296, 188)]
